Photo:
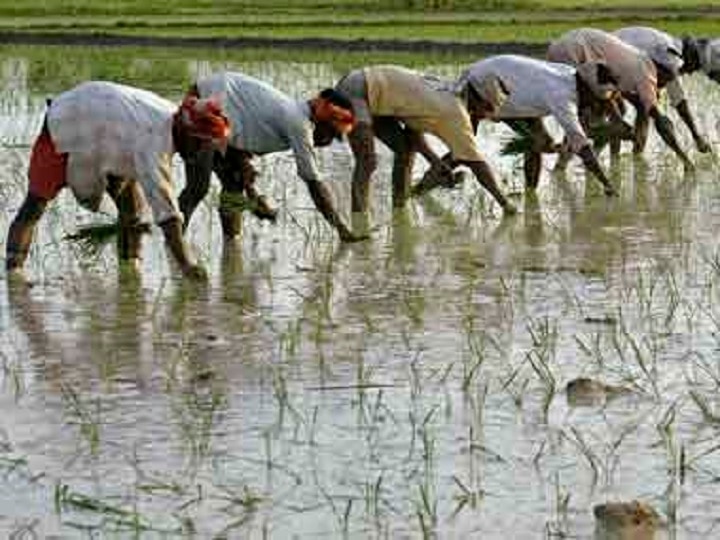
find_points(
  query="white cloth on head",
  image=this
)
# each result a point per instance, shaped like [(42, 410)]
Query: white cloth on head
[(263, 119), (108, 128), (710, 57), (663, 49), (537, 89), (634, 70)]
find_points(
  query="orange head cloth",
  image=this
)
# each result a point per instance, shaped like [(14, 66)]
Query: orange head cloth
[(342, 119), (204, 119)]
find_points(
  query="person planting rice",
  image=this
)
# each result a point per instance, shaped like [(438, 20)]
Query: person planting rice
[(265, 120), (105, 137), (638, 78), (398, 105), (672, 57), (538, 89)]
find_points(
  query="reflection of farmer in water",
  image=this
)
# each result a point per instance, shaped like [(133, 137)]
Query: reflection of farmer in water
[(265, 120), (673, 57), (398, 105), (102, 136), (638, 78)]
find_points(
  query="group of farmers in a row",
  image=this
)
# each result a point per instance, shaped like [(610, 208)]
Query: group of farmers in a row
[(106, 137)]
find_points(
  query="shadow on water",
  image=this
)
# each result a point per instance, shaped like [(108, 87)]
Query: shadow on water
[(416, 384)]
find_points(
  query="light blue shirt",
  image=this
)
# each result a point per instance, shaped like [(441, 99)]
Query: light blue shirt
[(264, 119)]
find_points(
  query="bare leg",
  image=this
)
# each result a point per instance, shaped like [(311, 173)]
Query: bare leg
[(197, 182), (21, 232), (362, 143), (400, 140), (126, 196)]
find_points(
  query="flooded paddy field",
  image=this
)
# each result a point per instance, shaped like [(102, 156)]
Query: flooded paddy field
[(415, 385)]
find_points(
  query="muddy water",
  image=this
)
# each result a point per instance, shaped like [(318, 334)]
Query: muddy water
[(410, 385)]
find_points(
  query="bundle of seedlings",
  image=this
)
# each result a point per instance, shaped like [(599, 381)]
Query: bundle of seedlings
[(521, 142), (92, 239)]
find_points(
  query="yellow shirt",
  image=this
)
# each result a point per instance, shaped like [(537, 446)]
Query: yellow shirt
[(424, 104)]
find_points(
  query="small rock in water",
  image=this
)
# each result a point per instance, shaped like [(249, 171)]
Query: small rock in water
[(632, 520), (584, 391)]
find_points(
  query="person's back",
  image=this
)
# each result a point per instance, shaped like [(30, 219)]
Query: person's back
[(535, 87), (263, 118), (635, 72)]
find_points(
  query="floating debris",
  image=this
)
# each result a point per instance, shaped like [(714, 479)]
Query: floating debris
[(584, 391), (632, 520)]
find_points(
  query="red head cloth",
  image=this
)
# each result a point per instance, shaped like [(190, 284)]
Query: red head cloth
[(204, 119), (342, 119)]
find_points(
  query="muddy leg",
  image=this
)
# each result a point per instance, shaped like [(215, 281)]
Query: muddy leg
[(128, 199), (400, 140), (21, 232), (198, 169), (362, 143)]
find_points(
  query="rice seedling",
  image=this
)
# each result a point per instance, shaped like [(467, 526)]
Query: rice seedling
[(87, 415), (709, 415), (466, 497), (590, 456), (91, 240), (520, 143)]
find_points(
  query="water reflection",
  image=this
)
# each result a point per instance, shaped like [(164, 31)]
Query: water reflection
[(319, 389)]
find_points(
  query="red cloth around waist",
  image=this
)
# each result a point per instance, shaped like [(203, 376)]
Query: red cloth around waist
[(48, 168)]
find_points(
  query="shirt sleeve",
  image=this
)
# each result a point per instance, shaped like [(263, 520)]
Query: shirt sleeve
[(568, 119), (646, 85), (675, 91), (154, 173), (301, 143)]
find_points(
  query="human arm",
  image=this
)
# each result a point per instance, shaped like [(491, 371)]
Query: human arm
[(667, 133), (683, 110), (308, 171), (154, 174)]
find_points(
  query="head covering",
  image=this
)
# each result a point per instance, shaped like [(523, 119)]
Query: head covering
[(711, 58), (204, 119), (669, 58), (490, 88), (329, 110), (589, 73)]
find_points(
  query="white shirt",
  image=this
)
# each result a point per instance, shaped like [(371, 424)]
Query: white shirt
[(663, 49), (710, 56), (264, 119), (537, 88), (108, 128)]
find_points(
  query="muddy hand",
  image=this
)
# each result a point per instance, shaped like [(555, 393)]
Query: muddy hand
[(703, 146), (351, 238)]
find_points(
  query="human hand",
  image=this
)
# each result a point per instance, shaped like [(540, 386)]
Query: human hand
[(195, 272)]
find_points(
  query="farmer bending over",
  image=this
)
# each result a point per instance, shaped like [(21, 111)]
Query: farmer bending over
[(102, 136), (398, 105), (637, 76), (265, 120), (673, 57), (538, 89)]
